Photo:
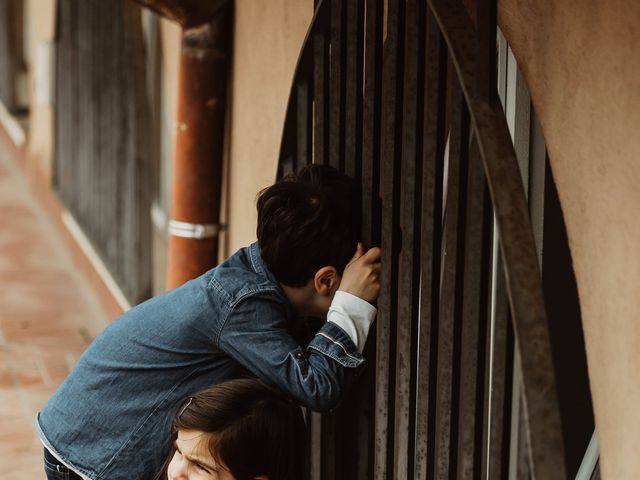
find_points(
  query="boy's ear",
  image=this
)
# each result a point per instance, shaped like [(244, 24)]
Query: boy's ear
[(326, 280)]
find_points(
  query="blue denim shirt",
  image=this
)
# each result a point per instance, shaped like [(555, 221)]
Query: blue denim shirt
[(111, 418)]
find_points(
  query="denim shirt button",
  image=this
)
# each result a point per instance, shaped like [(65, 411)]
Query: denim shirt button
[(299, 355)]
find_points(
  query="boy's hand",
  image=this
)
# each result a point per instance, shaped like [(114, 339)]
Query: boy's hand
[(361, 276)]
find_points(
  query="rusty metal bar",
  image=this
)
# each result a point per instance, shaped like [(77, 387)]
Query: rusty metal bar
[(430, 237), (499, 366), (387, 314), (337, 84), (409, 278), (353, 88), (354, 416), (448, 368), (474, 319), (370, 176), (371, 121), (546, 448)]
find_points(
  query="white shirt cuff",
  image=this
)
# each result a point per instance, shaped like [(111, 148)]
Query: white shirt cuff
[(353, 315)]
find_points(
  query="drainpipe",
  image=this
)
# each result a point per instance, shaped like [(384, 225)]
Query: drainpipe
[(197, 166)]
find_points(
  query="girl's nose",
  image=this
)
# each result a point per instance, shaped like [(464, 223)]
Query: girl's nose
[(178, 469)]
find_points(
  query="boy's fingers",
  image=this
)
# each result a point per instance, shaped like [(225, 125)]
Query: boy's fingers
[(373, 255), (359, 252)]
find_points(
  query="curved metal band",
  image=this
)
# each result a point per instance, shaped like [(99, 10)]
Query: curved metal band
[(198, 231), (517, 245)]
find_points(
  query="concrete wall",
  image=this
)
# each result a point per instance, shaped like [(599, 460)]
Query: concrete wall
[(267, 40), (582, 64)]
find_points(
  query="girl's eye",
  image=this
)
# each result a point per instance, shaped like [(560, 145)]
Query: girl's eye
[(202, 468)]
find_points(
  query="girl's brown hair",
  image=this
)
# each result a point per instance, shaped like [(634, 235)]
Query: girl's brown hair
[(256, 430)]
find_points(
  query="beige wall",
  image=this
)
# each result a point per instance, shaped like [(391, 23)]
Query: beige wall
[(267, 40), (581, 60), (39, 29)]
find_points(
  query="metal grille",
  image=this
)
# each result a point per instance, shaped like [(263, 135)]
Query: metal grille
[(101, 126), (449, 391), (8, 53)]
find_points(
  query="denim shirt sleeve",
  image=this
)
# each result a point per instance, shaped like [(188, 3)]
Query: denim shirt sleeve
[(255, 334)]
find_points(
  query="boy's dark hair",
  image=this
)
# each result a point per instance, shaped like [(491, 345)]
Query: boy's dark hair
[(306, 221), (255, 430)]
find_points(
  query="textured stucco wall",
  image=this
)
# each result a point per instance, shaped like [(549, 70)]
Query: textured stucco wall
[(581, 59), (267, 40)]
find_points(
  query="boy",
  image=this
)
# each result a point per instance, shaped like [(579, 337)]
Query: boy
[(111, 417)]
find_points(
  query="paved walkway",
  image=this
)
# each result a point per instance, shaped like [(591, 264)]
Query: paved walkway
[(48, 314)]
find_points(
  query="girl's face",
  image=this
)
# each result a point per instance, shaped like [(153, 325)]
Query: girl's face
[(193, 460)]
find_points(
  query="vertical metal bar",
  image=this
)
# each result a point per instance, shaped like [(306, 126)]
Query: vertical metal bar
[(321, 94), (387, 314), (97, 84), (328, 470), (517, 115), (474, 319), (315, 445), (112, 154), (353, 87), (8, 53), (353, 429), (371, 120), (519, 468), (303, 123), (496, 429), (370, 174), (409, 282), (140, 112), (75, 21), (430, 240), (337, 81), (450, 293)]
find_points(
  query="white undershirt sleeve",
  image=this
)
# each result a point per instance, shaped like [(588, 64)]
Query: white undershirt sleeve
[(353, 315)]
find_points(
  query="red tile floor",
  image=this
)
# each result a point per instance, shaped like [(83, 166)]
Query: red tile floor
[(48, 313)]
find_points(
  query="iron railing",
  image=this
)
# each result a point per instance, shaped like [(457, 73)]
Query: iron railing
[(102, 122), (462, 337)]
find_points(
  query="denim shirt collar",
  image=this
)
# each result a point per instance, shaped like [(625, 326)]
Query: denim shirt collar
[(258, 264)]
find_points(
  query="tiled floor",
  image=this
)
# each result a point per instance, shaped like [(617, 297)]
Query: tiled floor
[(47, 315)]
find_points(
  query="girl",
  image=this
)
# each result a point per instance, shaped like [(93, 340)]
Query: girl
[(238, 430)]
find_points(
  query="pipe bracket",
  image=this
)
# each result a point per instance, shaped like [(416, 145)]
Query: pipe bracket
[(198, 231)]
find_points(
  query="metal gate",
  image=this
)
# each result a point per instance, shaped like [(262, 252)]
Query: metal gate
[(461, 381)]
